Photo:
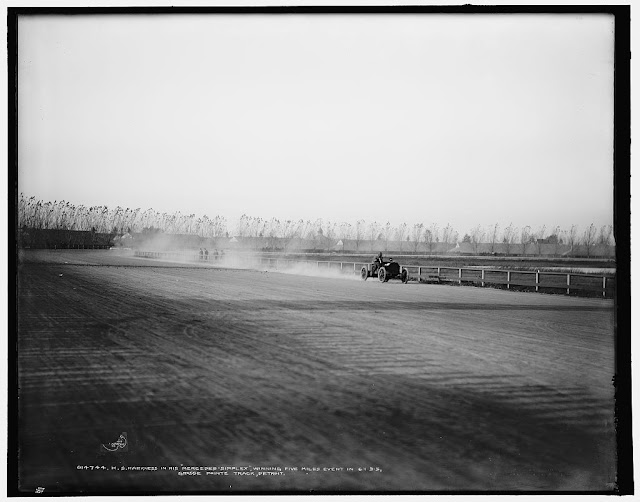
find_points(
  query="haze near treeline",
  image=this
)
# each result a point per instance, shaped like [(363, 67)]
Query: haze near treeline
[(444, 119)]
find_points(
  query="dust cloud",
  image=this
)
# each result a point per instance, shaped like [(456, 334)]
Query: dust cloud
[(313, 270), (157, 249), (254, 261)]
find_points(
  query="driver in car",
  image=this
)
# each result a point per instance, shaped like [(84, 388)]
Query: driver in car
[(377, 262)]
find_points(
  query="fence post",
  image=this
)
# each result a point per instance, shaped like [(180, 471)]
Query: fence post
[(419, 273), (537, 279), (459, 276), (568, 283), (341, 267), (508, 279), (483, 278), (354, 268), (604, 287)]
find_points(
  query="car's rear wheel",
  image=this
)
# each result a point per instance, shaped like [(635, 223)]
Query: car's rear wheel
[(404, 275), (382, 275), (364, 273)]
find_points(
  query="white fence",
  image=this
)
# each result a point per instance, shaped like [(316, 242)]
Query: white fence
[(577, 283)]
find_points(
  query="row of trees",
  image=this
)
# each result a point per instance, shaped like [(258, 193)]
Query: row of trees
[(274, 233), (511, 238), (321, 233), (63, 215), (420, 237)]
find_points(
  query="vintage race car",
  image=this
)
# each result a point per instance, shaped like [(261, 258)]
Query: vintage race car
[(386, 270)]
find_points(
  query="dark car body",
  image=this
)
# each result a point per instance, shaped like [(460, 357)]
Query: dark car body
[(386, 270)]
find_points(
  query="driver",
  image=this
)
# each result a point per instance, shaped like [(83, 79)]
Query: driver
[(377, 262)]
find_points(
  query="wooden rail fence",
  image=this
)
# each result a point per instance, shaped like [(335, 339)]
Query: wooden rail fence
[(535, 280)]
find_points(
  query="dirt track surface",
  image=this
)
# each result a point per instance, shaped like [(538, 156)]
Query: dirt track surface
[(440, 388)]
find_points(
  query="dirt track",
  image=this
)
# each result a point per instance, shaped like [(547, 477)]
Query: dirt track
[(441, 388)]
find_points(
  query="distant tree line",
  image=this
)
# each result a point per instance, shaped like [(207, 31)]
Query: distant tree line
[(62, 215), (274, 234)]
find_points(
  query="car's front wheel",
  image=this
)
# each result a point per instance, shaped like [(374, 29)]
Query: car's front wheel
[(382, 275), (364, 273), (404, 275)]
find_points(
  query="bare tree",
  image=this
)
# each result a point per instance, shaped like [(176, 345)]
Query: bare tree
[(509, 236), (306, 227), (428, 240), (317, 233), (290, 230), (136, 227), (23, 207), (572, 237), (359, 233), (555, 239), (431, 237), (493, 237), (589, 238), (416, 235), (477, 236), (604, 237), (525, 238), (346, 230), (242, 229), (447, 234), (373, 231), (310, 231), (219, 226), (400, 234), (386, 234), (272, 232), (538, 238), (258, 231), (329, 232)]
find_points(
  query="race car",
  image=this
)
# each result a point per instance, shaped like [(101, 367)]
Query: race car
[(386, 270)]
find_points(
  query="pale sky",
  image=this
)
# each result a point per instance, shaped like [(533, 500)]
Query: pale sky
[(415, 118)]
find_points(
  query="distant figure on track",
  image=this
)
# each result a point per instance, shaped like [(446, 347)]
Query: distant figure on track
[(206, 254), (201, 254)]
